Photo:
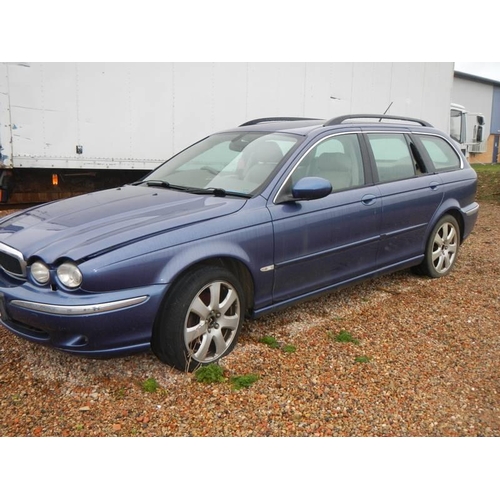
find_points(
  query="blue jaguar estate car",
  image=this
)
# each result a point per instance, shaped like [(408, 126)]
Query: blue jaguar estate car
[(241, 223)]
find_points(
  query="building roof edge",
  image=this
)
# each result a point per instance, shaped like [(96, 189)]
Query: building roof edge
[(475, 78)]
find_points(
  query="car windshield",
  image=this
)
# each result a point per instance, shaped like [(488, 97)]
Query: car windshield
[(230, 162)]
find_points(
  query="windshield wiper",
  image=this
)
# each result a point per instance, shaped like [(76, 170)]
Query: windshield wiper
[(193, 190), (158, 183), (152, 182), (217, 192), (164, 184)]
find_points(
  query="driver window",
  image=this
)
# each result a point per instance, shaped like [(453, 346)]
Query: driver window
[(336, 159)]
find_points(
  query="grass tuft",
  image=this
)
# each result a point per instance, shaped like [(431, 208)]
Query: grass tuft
[(270, 341), (243, 381), (150, 385), (343, 336), (210, 374), (361, 359)]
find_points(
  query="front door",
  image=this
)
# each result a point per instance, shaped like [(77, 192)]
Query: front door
[(321, 243)]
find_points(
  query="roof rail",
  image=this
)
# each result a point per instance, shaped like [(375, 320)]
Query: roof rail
[(340, 119), (276, 119)]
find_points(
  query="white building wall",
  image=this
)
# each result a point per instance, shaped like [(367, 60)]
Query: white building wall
[(134, 115)]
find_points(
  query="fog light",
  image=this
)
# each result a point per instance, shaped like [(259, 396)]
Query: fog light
[(40, 272), (69, 275)]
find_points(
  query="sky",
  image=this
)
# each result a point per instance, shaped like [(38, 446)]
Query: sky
[(485, 69), (266, 30)]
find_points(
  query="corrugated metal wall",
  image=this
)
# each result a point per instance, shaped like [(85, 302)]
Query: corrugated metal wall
[(476, 97)]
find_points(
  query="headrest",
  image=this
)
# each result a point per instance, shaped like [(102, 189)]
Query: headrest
[(268, 152), (337, 162)]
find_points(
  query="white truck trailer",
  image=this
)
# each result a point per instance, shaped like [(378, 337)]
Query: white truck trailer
[(70, 128)]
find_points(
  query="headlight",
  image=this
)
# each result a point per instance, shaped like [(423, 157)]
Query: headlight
[(40, 272), (69, 275)]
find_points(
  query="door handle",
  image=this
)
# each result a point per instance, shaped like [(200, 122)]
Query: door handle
[(434, 185), (368, 199)]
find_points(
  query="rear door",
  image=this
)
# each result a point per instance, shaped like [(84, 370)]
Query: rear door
[(410, 195)]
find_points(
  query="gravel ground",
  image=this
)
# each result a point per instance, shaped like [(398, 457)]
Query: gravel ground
[(432, 352)]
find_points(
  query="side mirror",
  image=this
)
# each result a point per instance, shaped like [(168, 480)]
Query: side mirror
[(311, 188), (480, 134)]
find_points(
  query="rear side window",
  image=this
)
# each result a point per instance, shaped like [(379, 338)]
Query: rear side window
[(442, 154), (392, 156)]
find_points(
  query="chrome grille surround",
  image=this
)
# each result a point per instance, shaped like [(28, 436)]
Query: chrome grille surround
[(12, 261)]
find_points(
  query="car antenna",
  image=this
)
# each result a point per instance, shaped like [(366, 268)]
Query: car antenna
[(388, 108)]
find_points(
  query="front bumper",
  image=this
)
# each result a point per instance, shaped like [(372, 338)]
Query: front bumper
[(92, 324)]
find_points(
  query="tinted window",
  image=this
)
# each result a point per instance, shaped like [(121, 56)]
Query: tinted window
[(392, 156), (337, 159), (442, 154)]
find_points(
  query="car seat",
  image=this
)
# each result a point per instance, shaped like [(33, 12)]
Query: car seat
[(334, 167)]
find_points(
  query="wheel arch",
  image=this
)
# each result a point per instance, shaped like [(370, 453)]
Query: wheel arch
[(458, 216), (449, 209), (233, 264)]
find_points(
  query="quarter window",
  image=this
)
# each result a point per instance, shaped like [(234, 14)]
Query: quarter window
[(442, 154), (392, 156)]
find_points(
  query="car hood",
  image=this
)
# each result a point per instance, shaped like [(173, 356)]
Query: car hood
[(93, 223)]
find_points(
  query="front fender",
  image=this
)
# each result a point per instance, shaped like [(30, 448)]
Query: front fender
[(247, 238)]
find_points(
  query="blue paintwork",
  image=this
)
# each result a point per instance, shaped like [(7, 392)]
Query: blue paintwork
[(137, 240), (311, 188)]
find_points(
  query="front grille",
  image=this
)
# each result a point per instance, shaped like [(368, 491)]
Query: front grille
[(12, 261)]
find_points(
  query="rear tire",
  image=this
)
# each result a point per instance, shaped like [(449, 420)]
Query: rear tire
[(442, 249), (200, 321)]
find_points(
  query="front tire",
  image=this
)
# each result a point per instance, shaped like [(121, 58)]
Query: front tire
[(442, 248), (201, 319)]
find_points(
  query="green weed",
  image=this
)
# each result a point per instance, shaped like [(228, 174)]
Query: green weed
[(120, 393), (343, 336), (241, 381), (361, 359), (209, 374), (150, 385), (270, 341)]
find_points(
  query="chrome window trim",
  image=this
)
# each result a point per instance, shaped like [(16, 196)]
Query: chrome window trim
[(278, 193), (17, 255)]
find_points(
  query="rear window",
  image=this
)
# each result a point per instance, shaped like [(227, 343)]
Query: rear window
[(442, 154)]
